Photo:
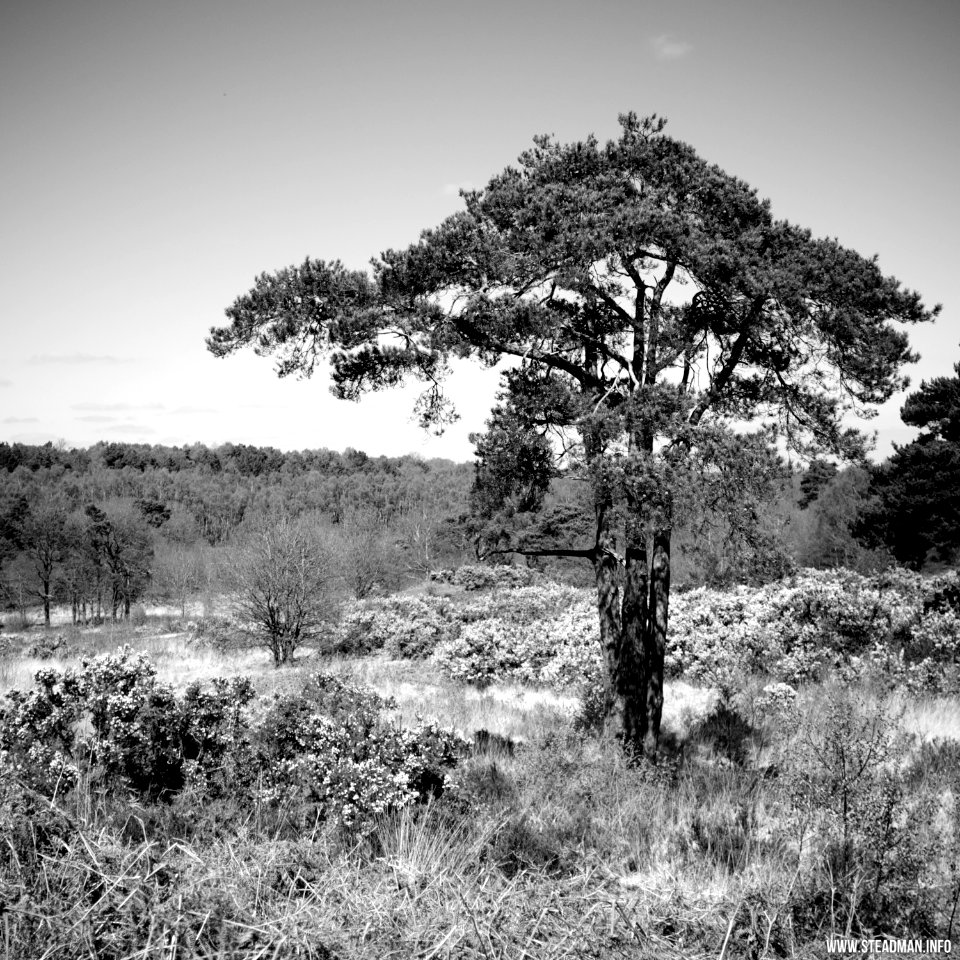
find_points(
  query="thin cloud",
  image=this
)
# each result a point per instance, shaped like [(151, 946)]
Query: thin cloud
[(131, 429), (453, 189), (667, 47), (76, 359), (96, 418), (191, 410), (6, 383), (116, 407), (20, 420)]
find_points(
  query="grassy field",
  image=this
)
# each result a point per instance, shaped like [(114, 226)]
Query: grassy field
[(754, 837)]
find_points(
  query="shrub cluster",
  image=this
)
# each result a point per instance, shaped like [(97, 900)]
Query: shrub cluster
[(899, 627), (328, 746), (402, 626), (807, 625), (541, 635), (141, 734), (414, 627), (476, 577)]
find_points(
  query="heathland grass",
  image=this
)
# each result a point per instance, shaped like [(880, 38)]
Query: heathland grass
[(553, 845)]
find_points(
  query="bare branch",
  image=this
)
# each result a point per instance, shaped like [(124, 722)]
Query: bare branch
[(545, 552)]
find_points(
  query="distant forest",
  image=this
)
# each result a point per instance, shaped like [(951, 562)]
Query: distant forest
[(107, 527), (211, 490)]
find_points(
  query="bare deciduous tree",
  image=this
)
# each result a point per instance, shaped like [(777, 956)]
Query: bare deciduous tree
[(179, 572), (364, 552), (283, 575)]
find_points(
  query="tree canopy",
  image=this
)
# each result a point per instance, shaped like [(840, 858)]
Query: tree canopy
[(914, 507), (660, 332)]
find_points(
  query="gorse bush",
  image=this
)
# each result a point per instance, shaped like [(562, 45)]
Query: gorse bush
[(897, 627), (801, 628), (328, 747), (142, 735), (475, 577), (401, 626), (543, 635)]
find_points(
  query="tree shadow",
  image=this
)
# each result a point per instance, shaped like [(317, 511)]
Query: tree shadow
[(725, 733)]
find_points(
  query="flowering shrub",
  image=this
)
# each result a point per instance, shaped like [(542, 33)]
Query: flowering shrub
[(777, 699), (545, 635), (402, 626), (141, 734), (215, 740), (897, 626), (522, 605), (800, 627), (37, 737), (475, 577), (327, 745), (220, 633)]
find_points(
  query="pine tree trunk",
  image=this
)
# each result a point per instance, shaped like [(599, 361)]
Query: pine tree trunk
[(655, 642), (622, 605), (633, 631), (608, 607), (632, 676)]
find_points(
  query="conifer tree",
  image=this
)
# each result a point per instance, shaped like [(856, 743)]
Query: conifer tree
[(645, 304)]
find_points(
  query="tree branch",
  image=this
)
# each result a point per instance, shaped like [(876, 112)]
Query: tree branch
[(546, 552), (476, 336), (654, 332), (726, 372)]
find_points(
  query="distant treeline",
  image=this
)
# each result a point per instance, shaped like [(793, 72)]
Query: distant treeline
[(164, 506), (103, 527), (248, 461)]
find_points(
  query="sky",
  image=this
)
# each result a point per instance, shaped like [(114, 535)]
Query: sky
[(156, 157)]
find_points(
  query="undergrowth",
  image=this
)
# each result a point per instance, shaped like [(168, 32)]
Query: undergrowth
[(321, 817)]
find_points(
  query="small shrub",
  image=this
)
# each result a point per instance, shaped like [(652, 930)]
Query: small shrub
[(592, 714), (522, 845), (328, 747), (727, 733), (402, 626), (874, 841), (50, 645), (219, 633), (484, 577)]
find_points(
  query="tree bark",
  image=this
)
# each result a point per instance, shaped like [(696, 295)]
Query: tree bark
[(655, 641), (632, 675), (608, 607)]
